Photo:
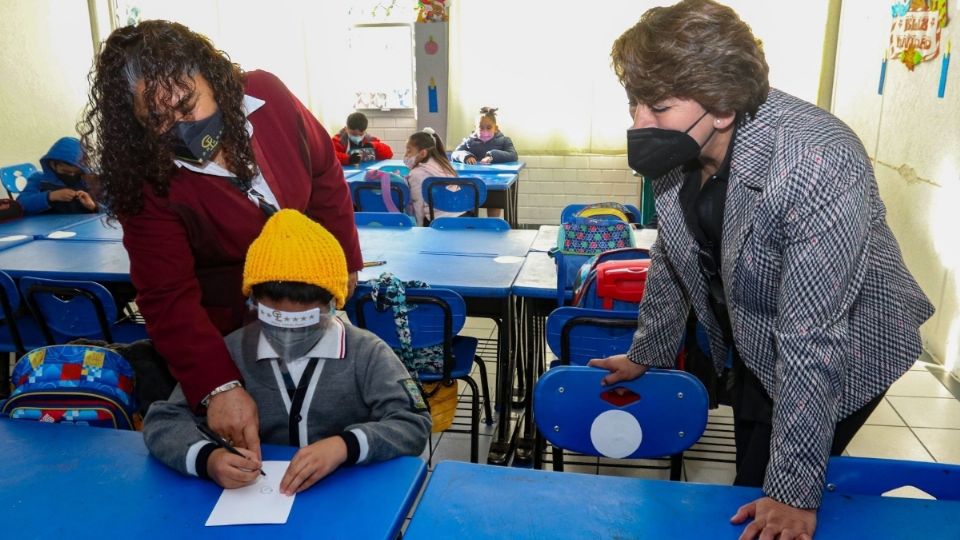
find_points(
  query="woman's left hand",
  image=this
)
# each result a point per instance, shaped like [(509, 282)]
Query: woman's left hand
[(772, 518)]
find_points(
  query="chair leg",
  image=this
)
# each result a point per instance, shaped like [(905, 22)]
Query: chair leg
[(676, 466), (487, 409), (557, 459), (474, 421), (538, 449)]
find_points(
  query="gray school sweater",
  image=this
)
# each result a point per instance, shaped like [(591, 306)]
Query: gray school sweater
[(365, 395)]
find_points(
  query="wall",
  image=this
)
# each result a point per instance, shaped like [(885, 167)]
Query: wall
[(47, 52), (914, 139)]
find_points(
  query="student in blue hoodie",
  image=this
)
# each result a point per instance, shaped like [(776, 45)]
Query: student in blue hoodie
[(487, 144), (61, 187)]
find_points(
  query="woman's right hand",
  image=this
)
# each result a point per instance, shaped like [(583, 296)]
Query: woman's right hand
[(620, 368), (232, 471), (233, 414), (470, 160)]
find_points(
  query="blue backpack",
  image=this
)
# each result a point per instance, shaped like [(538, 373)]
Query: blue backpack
[(77, 384)]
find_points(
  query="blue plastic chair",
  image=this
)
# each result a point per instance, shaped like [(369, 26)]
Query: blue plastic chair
[(18, 333), (871, 476), (68, 310), (571, 209), (463, 194), (462, 223), (662, 413), (577, 335), (568, 266), (367, 198), (435, 317), (383, 219), (14, 177)]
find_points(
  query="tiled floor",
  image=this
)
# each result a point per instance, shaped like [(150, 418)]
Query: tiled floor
[(919, 419)]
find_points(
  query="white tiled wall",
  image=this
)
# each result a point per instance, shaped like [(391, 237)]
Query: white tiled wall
[(547, 183)]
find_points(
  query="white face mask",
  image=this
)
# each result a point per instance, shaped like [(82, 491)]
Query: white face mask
[(410, 161), (356, 139), (293, 333)]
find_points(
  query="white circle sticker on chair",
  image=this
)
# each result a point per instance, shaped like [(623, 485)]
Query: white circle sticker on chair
[(616, 434), (61, 234), (13, 238), (507, 259)]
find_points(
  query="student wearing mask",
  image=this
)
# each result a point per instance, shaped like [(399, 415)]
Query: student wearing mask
[(61, 187), (354, 145), (336, 392)]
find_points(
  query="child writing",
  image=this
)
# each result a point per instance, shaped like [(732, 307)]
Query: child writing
[(364, 408), (487, 144), (425, 157), (61, 187), (353, 144)]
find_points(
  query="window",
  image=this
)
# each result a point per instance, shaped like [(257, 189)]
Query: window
[(382, 58)]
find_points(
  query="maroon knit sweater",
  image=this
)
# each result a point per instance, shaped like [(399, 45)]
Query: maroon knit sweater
[(187, 248)]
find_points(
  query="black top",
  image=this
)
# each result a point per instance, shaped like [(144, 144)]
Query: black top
[(703, 207)]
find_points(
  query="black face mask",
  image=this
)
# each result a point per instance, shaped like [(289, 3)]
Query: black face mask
[(69, 179), (197, 140), (653, 152)]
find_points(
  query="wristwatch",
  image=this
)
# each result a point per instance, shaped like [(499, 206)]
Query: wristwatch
[(219, 390)]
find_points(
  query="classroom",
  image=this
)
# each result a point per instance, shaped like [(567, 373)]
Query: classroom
[(480, 269)]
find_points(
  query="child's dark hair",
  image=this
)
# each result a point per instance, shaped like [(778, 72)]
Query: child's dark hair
[(489, 113), (357, 121), (429, 140), (303, 293)]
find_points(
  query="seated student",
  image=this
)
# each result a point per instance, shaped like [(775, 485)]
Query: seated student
[(353, 144), (487, 144), (61, 187), (364, 408), (425, 157)]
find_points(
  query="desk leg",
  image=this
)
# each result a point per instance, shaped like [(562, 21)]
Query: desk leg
[(533, 323), (500, 447)]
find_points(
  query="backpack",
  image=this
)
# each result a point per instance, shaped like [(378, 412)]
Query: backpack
[(596, 228), (609, 281), (77, 384)]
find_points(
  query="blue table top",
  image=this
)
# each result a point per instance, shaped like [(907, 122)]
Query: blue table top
[(474, 242), (493, 181), (65, 481), (94, 229), (465, 500), (462, 168), (41, 224), (97, 260)]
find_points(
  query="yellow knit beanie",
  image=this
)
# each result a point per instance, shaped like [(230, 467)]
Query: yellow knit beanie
[(293, 247)]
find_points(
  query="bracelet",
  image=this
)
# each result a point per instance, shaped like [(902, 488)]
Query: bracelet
[(219, 390)]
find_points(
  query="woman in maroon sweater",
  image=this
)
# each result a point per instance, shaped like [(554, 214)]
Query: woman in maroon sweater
[(194, 155)]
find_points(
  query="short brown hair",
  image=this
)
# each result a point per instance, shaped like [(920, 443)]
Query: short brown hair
[(696, 49)]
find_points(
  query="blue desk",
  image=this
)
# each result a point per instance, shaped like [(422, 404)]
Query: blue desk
[(94, 229), (426, 240), (73, 482), (40, 225), (467, 501), (96, 260), (462, 169)]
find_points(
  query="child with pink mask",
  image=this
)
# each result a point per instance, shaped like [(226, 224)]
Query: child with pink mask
[(425, 158), (487, 144)]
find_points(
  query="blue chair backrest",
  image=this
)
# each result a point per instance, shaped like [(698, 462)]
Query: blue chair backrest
[(660, 414), (10, 295), (871, 476), (70, 308), (14, 177), (576, 335), (463, 194), (383, 219), (568, 266), (402, 170), (367, 198), (427, 315), (571, 209), (460, 223)]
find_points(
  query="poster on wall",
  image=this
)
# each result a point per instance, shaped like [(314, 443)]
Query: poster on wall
[(431, 54), (915, 30)]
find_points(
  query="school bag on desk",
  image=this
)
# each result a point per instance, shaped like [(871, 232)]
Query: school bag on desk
[(76, 384)]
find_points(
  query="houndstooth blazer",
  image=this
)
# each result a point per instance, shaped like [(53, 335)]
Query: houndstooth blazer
[(822, 307)]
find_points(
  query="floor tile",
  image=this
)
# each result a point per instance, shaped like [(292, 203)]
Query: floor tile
[(456, 447), (918, 384), (887, 442), (885, 415), (943, 444), (709, 472), (928, 412)]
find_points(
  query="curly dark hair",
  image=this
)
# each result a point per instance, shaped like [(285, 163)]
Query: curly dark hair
[(127, 151), (696, 49)]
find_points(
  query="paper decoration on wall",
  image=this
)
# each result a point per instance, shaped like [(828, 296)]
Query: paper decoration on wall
[(944, 66), (429, 11), (431, 47), (432, 97), (915, 30)]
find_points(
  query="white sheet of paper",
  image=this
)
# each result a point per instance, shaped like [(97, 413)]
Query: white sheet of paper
[(260, 502)]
